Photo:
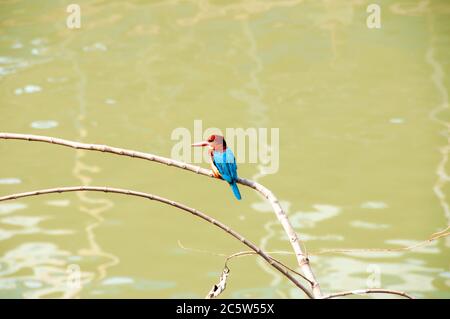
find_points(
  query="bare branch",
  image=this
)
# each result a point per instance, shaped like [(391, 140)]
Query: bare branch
[(247, 253), (433, 237), (190, 210), (368, 291), (301, 257)]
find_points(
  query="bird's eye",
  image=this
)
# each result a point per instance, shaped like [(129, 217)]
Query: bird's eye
[(211, 138)]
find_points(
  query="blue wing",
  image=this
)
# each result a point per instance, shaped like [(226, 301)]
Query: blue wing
[(226, 165)]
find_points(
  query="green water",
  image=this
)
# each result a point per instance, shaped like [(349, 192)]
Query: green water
[(363, 122)]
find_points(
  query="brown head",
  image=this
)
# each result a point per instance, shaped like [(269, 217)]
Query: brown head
[(214, 142)]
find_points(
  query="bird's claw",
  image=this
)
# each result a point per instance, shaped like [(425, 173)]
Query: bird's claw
[(216, 173)]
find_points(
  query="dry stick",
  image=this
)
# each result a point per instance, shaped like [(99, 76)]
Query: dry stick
[(433, 237), (193, 211), (302, 258), (247, 253), (368, 291)]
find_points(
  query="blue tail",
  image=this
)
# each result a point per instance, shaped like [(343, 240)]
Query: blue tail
[(235, 189)]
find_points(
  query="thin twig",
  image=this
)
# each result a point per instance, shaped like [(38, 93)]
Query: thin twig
[(190, 210), (301, 257), (247, 253), (368, 291), (432, 238), (435, 236), (212, 253), (201, 251)]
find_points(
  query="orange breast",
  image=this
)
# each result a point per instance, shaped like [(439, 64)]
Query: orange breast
[(215, 170)]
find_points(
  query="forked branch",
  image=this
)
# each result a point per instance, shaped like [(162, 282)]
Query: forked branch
[(301, 257), (183, 207)]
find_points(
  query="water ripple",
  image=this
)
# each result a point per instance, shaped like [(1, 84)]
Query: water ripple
[(42, 125), (10, 181), (8, 208)]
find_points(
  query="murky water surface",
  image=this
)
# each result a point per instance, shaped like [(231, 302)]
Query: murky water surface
[(363, 153)]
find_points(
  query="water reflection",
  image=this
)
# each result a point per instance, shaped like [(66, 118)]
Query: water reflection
[(10, 181), (261, 293), (28, 89), (137, 70), (27, 225), (368, 225), (46, 265), (46, 124), (374, 205), (8, 208), (83, 171), (112, 286), (95, 47), (437, 115), (58, 202), (356, 273), (309, 219)]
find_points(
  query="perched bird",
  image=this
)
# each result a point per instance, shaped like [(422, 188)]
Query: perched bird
[(223, 162)]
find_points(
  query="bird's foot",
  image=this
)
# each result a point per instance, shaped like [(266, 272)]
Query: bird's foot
[(216, 173)]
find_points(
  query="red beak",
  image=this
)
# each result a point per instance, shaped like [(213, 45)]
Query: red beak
[(204, 143)]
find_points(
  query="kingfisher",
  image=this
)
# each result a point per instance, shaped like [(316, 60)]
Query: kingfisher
[(223, 162)]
